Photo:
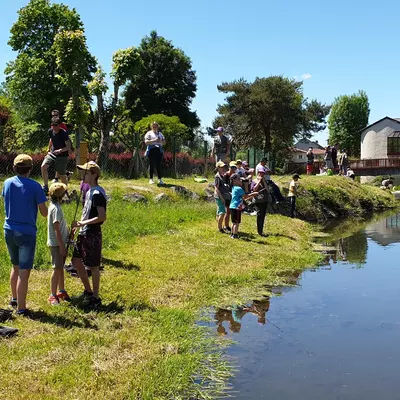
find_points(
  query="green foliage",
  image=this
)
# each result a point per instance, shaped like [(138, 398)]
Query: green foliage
[(169, 126), (349, 115), (164, 82), (269, 113), (33, 77)]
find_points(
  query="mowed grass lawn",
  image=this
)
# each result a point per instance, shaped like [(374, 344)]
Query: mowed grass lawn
[(164, 263)]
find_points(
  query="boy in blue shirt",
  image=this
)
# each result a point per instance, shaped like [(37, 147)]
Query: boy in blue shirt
[(22, 199), (237, 206)]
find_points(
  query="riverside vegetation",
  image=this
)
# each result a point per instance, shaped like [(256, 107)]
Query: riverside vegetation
[(164, 262)]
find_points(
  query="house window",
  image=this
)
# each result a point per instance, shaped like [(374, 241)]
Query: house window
[(393, 146), (300, 156)]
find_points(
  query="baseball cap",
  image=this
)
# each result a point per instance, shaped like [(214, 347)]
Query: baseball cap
[(261, 169), (220, 164), (296, 176), (233, 164), (90, 166), (239, 162), (57, 189), (244, 163), (220, 129), (23, 160)]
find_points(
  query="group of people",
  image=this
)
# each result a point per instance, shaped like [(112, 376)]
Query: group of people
[(234, 185), (23, 198)]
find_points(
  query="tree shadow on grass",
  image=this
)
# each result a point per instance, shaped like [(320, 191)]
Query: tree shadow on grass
[(121, 264), (61, 320)]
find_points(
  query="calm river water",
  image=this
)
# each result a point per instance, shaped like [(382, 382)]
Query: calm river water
[(335, 335)]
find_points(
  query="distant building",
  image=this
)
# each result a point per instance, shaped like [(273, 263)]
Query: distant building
[(305, 144), (381, 139), (298, 156)]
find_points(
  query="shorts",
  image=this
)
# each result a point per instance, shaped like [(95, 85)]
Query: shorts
[(310, 167), (88, 248), (21, 248), (236, 216), (60, 163), (57, 261), (221, 209)]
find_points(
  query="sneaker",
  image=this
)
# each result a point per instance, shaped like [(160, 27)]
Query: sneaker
[(233, 236), (53, 300), (254, 213), (263, 234), (160, 182), (228, 229), (45, 189), (87, 295), (95, 301), (13, 303), (63, 295), (221, 230), (151, 182), (24, 313)]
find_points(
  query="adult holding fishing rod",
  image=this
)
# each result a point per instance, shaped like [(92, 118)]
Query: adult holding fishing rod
[(59, 149)]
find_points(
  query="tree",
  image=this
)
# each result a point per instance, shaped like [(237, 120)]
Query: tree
[(33, 77), (165, 83), (349, 115), (170, 127), (125, 64), (269, 113)]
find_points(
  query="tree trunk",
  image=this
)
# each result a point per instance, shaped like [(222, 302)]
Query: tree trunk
[(267, 139)]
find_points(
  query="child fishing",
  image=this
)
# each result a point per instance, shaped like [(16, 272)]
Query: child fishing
[(293, 188)]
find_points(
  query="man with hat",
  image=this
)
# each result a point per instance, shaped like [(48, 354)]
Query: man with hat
[(87, 251), (221, 146), (22, 199)]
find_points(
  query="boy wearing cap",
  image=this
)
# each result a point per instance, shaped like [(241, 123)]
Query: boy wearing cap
[(221, 145), (57, 238), (87, 251), (293, 187), (22, 199)]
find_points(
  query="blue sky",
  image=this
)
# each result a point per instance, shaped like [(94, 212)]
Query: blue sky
[(339, 47)]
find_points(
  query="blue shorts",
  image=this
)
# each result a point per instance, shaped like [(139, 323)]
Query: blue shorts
[(21, 248), (221, 209)]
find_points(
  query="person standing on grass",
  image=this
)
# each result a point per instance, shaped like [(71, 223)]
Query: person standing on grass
[(87, 251), (343, 162), (262, 203), (22, 199), (310, 161), (59, 149), (57, 238), (155, 141), (293, 188), (334, 151), (236, 206), (222, 197)]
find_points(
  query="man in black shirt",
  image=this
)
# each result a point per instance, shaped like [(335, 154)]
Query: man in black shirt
[(59, 147), (87, 251), (221, 146)]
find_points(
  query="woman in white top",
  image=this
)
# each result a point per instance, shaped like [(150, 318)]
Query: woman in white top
[(155, 141)]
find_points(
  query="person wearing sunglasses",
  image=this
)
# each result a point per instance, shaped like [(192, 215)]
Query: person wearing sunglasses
[(59, 148)]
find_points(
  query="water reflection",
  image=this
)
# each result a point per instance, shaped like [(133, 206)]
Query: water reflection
[(385, 231)]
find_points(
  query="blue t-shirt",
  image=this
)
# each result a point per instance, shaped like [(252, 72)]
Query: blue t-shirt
[(21, 199), (237, 196)]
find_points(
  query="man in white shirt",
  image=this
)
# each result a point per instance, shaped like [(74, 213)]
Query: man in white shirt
[(155, 141)]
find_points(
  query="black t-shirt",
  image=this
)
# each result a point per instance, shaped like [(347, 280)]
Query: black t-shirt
[(95, 197), (58, 141), (334, 154), (310, 158), (221, 144), (221, 184)]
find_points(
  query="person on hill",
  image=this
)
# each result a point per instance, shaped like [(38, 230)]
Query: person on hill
[(87, 251), (387, 183), (59, 149), (334, 152), (23, 197), (328, 158), (222, 197), (293, 189), (155, 141), (236, 206), (343, 162), (221, 146), (310, 161), (350, 174), (262, 200), (57, 238)]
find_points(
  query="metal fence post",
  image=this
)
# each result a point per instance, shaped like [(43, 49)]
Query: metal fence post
[(174, 156), (205, 158)]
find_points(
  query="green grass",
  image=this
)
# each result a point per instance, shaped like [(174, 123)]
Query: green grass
[(163, 264)]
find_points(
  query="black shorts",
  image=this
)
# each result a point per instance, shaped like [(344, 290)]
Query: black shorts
[(88, 248), (236, 216)]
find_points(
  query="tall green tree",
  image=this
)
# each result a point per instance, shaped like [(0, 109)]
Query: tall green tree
[(165, 83), (349, 115), (269, 113), (33, 77)]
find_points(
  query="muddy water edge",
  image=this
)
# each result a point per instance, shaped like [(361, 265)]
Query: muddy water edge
[(334, 333)]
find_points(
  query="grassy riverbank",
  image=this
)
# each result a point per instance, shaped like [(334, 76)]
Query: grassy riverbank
[(163, 262)]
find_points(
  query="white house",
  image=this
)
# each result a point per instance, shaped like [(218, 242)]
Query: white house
[(381, 139)]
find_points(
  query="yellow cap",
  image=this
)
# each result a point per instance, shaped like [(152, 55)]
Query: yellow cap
[(233, 164), (57, 189), (220, 164), (23, 160), (90, 166), (239, 162)]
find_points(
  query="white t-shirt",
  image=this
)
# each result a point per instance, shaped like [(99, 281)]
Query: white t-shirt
[(56, 214), (150, 135), (293, 188)]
